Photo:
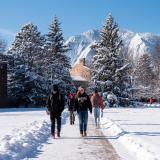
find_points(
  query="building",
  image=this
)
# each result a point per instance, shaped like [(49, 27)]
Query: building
[(81, 74), (3, 79)]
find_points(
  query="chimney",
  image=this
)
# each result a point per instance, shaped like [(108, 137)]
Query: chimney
[(3, 80), (82, 61)]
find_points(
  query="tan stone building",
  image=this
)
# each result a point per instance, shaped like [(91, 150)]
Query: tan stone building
[(81, 74)]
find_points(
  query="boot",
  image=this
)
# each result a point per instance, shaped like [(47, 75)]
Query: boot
[(85, 134), (81, 133), (53, 135), (58, 134)]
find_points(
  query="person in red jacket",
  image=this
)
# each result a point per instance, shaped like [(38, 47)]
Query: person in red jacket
[(97, 104), (151, 100)]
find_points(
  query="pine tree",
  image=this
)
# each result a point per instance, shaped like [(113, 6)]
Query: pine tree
[(60, 76), (56, 58), (156, 59), (29, 44), (17, 79), (55, 45), (144, 71), (3, 45), (109, 68), (27, 50)]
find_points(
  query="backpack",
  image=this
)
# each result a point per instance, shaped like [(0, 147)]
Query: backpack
[(55, 106), (72, 104)]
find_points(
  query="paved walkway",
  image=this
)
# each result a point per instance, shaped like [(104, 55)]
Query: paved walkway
[(72, 147)]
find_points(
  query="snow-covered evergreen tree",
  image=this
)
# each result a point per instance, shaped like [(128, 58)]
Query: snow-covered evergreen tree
[(56, 60), (27, 50), (59, 75), (3, 57), (29, 44), (56, 48), (17, 79), (109, 68), (156, 59), (144, 71), (3, 45)]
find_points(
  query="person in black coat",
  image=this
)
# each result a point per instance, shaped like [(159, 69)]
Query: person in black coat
[(82, 105), (55, 107)]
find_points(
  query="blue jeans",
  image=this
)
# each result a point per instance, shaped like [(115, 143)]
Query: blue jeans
[(97, 115), (83, 120)]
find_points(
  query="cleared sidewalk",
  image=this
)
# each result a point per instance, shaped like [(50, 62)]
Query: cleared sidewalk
[(72, 147)]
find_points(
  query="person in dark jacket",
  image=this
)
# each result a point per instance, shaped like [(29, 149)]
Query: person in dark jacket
[(82, 105), (71, 106), (55, 108)]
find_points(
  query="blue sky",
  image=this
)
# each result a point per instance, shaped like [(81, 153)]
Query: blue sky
[(78, 16)]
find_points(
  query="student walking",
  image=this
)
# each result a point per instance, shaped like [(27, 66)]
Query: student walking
[(71, 107), (55, 108), (98, 106), (82, 105)]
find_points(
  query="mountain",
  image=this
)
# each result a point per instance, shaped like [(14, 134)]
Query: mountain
[(135, 45), (142, 43), (80, 45)]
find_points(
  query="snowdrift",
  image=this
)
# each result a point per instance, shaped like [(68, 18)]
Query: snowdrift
[(25, 142), (133, 143)]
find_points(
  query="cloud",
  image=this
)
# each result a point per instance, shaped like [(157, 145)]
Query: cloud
[(7, 32)]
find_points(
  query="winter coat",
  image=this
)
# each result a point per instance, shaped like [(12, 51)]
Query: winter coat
[(83, 103), (97, 101), (71, 104), (55, 104)]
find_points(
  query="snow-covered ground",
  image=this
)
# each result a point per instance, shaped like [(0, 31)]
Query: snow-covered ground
[(71, 146), (23, 132), (26, 136), (136, 129), (133, 132)]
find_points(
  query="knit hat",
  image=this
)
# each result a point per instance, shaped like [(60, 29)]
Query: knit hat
[(71, 95), (55, 88)]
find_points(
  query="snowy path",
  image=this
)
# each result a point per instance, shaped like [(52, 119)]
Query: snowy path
[(72, 147)]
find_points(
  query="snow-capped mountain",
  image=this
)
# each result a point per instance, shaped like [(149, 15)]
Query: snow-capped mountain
[(142, 43), (80, 45), (136, 44)]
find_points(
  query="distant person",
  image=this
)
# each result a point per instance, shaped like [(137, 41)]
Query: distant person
[(98, 106), (82, 105), (55, 108), (151, 100), (71, 106)]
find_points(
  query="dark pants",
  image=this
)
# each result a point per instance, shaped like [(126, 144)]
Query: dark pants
[(83, 120), (55, 119), (72, 117)]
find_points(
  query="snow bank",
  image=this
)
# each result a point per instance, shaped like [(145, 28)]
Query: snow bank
[(154, 105), (142, 150), (25, 142)]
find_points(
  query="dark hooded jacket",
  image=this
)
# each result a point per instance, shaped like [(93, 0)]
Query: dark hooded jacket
[(55, 104)]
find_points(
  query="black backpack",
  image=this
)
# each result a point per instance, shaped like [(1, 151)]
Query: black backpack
[(72, 104), (55, 106)]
